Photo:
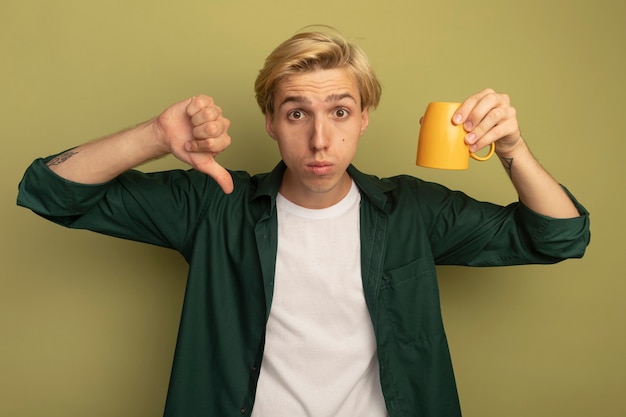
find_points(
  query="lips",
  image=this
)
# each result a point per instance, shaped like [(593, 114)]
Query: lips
[(320, 168)]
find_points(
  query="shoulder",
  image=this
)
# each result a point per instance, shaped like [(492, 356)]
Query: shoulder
[(398, 186)]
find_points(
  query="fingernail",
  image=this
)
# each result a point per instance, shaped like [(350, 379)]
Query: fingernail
[(457, 118), (471, 137), (468, 126)]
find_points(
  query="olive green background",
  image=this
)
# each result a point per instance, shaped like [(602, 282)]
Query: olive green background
[(88, 323)]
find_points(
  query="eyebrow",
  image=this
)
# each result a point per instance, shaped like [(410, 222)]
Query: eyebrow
[(304, 100), (338, 97)]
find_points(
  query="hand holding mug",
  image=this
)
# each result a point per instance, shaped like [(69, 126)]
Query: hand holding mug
[(488, 117), (451, 133), (442, 143)]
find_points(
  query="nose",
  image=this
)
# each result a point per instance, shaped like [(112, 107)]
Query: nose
[(319, 136)]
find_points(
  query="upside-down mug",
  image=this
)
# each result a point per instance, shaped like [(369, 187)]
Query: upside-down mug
[(441, 143)]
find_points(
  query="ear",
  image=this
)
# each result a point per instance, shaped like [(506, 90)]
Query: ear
[(365, 120), (268, 126)]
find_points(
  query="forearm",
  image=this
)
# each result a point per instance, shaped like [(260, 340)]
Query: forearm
[(104, 159), (535, 186)]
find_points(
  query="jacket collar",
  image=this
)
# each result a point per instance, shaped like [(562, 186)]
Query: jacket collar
[(373, 188), (269, 183)]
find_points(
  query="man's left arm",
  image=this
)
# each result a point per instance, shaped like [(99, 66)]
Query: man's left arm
[(488, 117)]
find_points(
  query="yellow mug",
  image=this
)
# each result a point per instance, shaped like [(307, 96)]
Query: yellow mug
[(441, 143)]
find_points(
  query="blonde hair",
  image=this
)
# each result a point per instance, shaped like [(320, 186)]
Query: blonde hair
[(311, 51)]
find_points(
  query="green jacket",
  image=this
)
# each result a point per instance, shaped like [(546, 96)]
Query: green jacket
[(407, 227)]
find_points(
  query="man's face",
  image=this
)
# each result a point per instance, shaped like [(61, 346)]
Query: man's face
[(317, 123)]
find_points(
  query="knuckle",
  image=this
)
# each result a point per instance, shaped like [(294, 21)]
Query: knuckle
[(206, 100), (199, 102), (227, 141), (208, 113), (212, 129), (499, 113), (198, 132), (498, 131)]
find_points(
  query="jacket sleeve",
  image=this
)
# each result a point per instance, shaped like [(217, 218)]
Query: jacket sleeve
[(158, 208), (464, 231)]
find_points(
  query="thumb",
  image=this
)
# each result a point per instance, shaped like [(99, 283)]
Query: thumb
[(219, 174)]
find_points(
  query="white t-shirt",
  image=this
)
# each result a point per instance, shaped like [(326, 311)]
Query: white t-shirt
[(320, 352)]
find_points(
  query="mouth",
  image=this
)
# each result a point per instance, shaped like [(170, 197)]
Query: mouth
[(320, 168)]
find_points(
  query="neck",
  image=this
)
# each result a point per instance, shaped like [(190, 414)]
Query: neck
[(314, 196)]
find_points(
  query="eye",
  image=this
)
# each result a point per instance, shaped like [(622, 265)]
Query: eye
[(295, 115), (341, 113)]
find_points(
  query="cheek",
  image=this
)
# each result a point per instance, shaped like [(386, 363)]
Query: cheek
[(347, 148), (289, 149), (353, 146)]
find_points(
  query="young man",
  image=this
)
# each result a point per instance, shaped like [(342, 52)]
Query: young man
[(311, 289)]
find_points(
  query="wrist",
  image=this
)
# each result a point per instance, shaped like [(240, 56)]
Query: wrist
[(515, 150), (156, 138)]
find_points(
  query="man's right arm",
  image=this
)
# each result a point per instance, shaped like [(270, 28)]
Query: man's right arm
[(193, 130)]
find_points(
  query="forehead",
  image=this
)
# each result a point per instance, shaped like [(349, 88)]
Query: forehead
[(318, 85)]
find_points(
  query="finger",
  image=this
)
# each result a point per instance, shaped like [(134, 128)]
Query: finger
[(206, 114), (468, 106), (505, 129), (475, 108), (206, 118), (209, 130), (486, 111), (210, 145), (211, 137), (221, 176), (197, 103), (495, 117)]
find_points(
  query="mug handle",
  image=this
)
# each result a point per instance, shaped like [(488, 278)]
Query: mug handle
[(492, 149)]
